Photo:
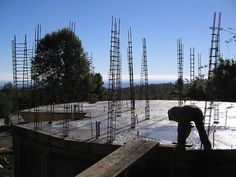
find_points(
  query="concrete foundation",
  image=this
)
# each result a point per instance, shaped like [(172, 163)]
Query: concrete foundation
[(41, 155)]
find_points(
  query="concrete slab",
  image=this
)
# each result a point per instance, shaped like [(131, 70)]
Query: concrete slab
[(157, 128)]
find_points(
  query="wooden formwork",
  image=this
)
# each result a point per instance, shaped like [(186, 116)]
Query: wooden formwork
[(50, 116)]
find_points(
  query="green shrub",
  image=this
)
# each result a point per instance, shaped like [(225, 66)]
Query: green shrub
[(5, 105)]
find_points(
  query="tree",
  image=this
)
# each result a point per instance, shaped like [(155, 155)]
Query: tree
[(224, 80), (98, 89), (156, 91), (197, 89), (60, 68), (6, 103)]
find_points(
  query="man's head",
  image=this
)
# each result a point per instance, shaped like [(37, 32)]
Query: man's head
[(174, 113)]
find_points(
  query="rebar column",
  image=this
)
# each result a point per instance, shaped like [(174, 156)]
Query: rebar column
[(21, 75), (36, 93), (180, 82), (192, 72), (131, 79), (199, 59), (119, 71), (213, 60), (113, 74), (146, 88)]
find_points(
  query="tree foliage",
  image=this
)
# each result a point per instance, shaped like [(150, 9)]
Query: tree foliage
[(197, 89), (224, 80), (156, 91), (6, 102), (61, 68), (221, 87)]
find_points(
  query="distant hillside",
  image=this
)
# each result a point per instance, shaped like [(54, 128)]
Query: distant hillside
[(161, 91), (125, 83)]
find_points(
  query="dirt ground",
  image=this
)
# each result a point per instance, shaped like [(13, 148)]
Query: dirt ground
[(6, 155)]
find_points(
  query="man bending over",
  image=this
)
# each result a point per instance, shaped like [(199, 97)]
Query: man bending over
[(184, 115)]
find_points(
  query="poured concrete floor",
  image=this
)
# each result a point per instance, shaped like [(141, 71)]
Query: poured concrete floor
[(158, 128)]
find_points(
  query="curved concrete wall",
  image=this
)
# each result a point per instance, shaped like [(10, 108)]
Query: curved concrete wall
[(40, 155)]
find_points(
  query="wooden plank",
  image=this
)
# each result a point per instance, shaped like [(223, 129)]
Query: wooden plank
[(50, 116), (121, 159)]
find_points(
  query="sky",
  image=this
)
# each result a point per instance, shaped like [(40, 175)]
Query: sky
[(161, 22)]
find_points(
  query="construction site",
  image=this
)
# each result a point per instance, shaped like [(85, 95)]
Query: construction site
[(119, 137)]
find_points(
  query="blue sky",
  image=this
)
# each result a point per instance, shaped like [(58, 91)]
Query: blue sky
[(161, 22)]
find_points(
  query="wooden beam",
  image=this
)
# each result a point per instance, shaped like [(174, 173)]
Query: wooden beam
[(50, 116), (117, 162)]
